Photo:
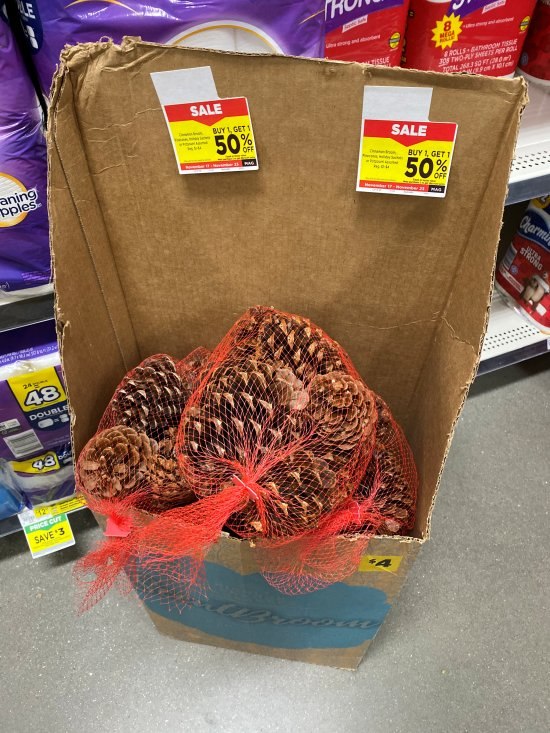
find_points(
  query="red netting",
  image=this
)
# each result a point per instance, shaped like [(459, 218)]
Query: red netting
[(273, 436)]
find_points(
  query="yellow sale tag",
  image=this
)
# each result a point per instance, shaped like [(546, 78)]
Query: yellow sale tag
[(49, 535), (64, 506), (37, 390), (380, 563), (212, 137), (41, 464), (401, 157)]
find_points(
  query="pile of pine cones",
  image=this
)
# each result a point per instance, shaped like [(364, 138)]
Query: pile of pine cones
[(278, 408), (134, 448)]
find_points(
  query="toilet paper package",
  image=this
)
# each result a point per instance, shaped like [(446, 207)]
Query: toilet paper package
[(34, 415), (24, 246), (369, 31), (473, 36), (44, 477), (524, 273), (291, 27), (12, 500), (534, 62)]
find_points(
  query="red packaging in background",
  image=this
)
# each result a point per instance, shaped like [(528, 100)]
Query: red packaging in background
[(524, 273), (534, 62), (474, 36), (369, 31)]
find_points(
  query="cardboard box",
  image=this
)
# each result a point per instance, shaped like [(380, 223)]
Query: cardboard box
[(150, 261)]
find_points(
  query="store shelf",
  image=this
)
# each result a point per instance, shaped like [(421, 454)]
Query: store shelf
[(509, 338), (530, 174), (12, 524), (24, 312)]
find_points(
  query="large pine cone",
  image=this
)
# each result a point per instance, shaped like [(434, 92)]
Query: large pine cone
[(168, 487), (295, 493), (115, 462), (246, 410), (392, 472), (290, 340), (151, 398), (191, 370), (342, 409)]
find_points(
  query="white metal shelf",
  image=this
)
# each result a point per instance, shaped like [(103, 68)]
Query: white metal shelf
[(509, 338), (530, 173)]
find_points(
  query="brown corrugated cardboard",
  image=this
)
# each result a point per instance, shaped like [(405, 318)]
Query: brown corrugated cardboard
[(150, 261)]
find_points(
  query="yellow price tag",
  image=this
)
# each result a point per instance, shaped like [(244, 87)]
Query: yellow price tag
[(401, 157), (64, 506), (380, 563), (212, 137), (49, 535), (37, 390)]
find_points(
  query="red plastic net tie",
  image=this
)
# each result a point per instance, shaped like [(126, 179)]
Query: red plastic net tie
[(117, 526)]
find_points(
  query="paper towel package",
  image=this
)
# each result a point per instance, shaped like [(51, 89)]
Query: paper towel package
[(24, 246), (359, 30), (294, 28), (168, 262)]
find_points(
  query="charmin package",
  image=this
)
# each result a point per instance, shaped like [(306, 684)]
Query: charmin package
[(474, 36), (524, 273), (534, 62), (292, 27), (369, 31), (33, 405), (24, 246)]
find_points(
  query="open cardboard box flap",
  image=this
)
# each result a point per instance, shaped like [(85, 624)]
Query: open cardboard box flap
[(148, 261)]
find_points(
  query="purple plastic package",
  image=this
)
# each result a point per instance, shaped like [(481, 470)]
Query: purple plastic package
[(45, 477), (24, 247), (291, 27), (34, 415)]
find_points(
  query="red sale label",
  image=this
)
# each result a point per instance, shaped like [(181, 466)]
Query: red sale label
[(212, 136), (404, 157)]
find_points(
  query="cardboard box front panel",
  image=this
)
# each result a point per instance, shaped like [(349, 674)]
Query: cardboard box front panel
[(332, 626), (147, 260)]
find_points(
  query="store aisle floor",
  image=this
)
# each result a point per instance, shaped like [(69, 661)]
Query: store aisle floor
[(465, 649)]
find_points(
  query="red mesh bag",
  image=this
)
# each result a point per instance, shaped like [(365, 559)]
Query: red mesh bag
[(391, 478), (273, 436), (129, 472)]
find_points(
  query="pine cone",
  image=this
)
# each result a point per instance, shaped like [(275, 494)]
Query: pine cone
[(392, 473), (246, 410), (342, 410), (295, 493), (168, 487), (191, 370), (151, 398), (296, 343), (115, 462)]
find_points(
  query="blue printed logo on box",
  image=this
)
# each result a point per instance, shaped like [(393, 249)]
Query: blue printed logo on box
[(245, 608)]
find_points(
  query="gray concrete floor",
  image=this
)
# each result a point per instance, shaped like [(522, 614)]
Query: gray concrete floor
[(466, 647)]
